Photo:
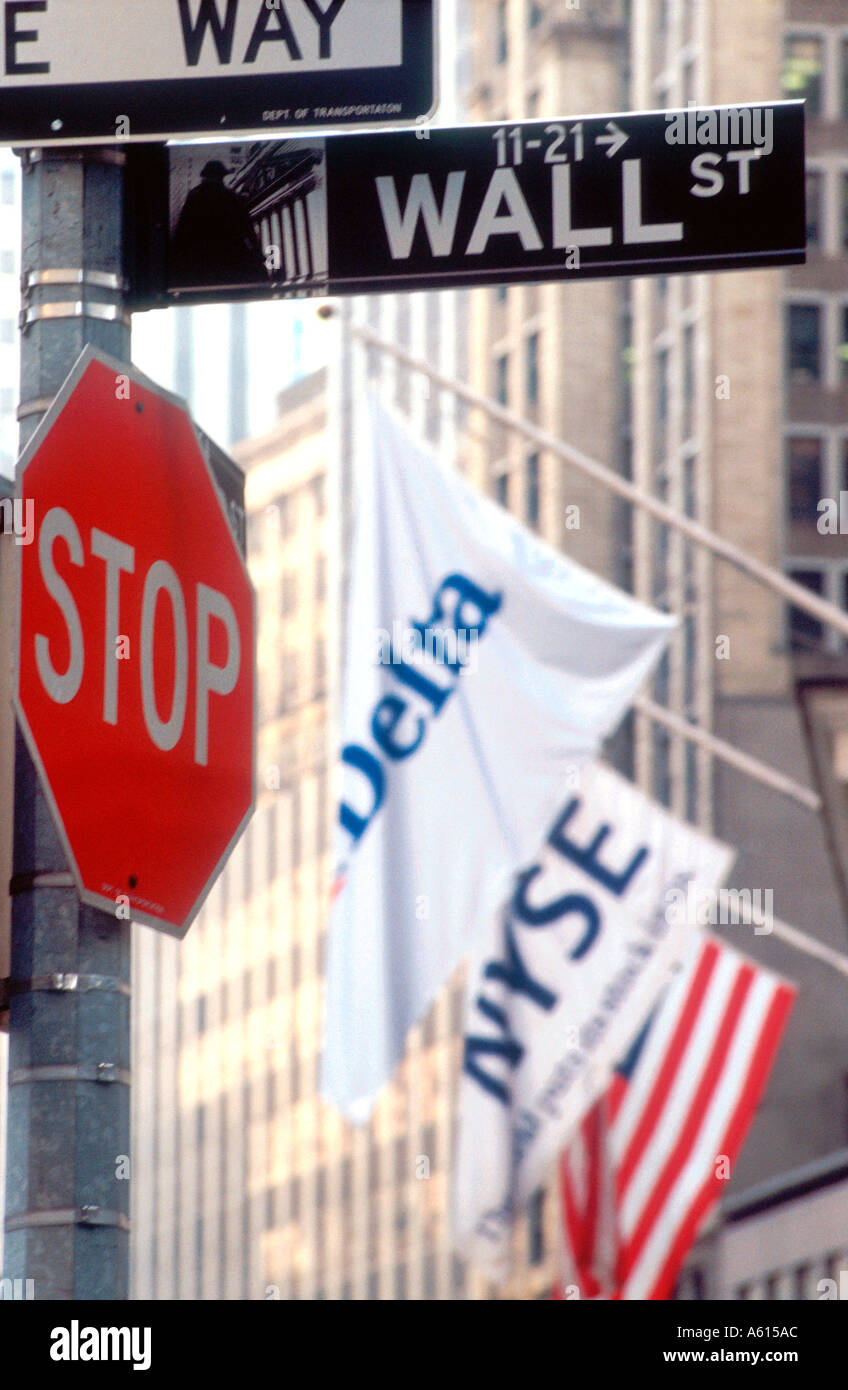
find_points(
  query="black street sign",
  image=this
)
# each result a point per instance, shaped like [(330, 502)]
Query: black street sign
[(79, 71), (712, 188)]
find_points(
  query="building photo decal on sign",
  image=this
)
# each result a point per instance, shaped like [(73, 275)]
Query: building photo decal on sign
[(251, 215)]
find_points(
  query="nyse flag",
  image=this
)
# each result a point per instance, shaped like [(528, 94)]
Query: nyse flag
[(573, 965), (481, 668)]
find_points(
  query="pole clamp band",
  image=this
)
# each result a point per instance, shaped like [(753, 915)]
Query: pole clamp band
[(69, 1216), (101, 1072), (38, 406), (73, 309), (100, 279), (24, 883)]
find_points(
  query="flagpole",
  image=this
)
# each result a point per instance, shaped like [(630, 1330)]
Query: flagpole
[(810, 947), (764, 574), (725, 752)]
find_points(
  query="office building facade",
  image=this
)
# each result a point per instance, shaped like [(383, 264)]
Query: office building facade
[(721, 394)]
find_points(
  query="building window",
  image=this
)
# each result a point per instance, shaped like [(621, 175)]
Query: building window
[(662, 389), (501, 34), (247, 864), (320, 666), (296, 828), (690, 494), (661, 374), (804, 342), (319, 494), (691, 1284), (271, 869), (805, 631), (288, 676), (690, 20), (502, 489), (536, 1228), (532, 365), (7, 262), (7, 330), (690, 647), (815, 193), (804, 474), (662, 765), (661, 679), (842, 350), (7, 187), (320, 578), (802, 70), (660, 556), (535, 14), (289, 594), (688, 381), (692, 783), (502, 379), (280, 514), (531, 498), (271, 977)]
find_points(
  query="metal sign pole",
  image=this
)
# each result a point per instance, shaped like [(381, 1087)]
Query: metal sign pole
[(67, 1181)]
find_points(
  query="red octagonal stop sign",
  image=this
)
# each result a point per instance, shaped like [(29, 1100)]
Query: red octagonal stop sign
[(136, 646)]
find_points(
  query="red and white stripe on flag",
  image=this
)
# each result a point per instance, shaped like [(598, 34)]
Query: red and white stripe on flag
[(651, 1157)]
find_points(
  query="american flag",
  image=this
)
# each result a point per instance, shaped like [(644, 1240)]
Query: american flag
[(653, 1154)]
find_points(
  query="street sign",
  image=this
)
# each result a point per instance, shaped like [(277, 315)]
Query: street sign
[(77, 71), (135, 686), (714, 188)]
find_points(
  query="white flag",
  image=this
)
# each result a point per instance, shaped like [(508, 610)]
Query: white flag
[(481, 667), (573, 965)]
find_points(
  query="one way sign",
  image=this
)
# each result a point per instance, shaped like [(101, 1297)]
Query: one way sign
[(85, 70), (712, 188)]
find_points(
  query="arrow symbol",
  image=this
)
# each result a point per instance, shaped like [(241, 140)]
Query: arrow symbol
[(616, 139)]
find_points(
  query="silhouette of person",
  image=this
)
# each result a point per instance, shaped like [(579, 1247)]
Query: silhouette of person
[(214, 241)]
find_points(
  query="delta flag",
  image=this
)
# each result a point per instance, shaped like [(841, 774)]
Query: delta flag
[(481, 668)]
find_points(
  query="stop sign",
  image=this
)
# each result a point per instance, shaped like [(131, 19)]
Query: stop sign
[(135, 682)]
